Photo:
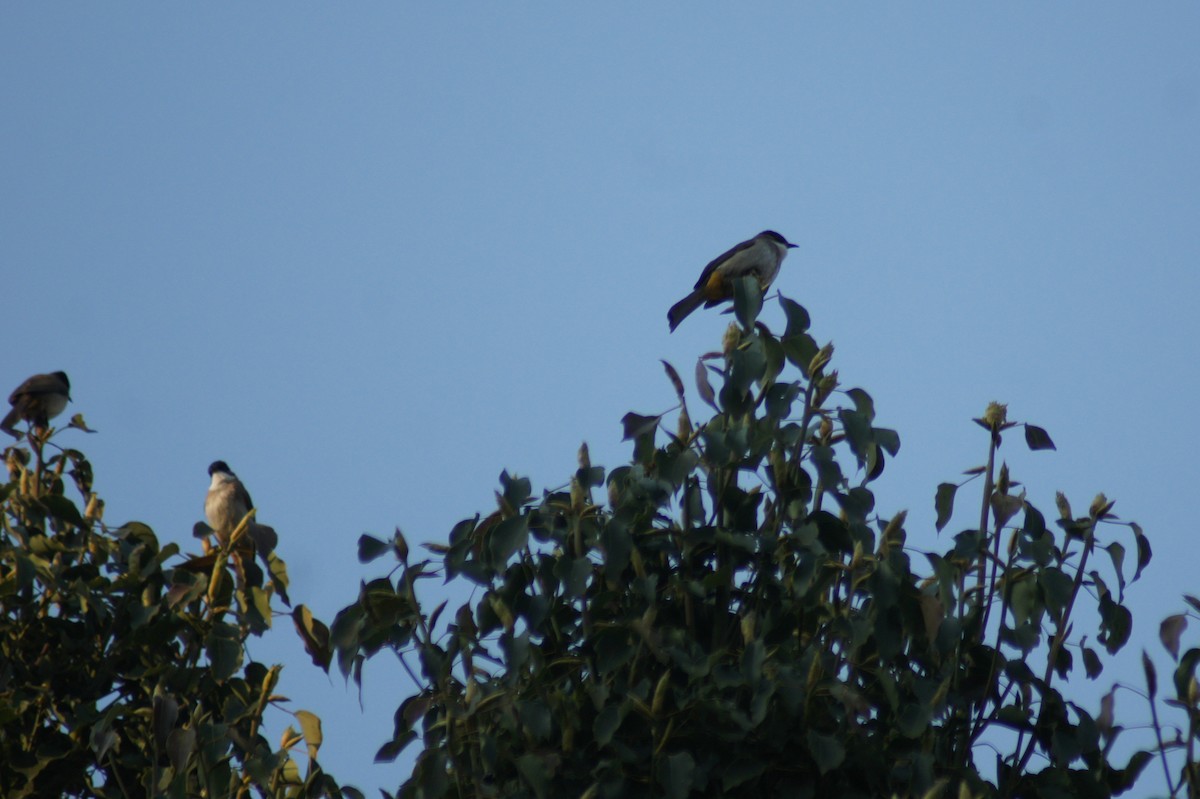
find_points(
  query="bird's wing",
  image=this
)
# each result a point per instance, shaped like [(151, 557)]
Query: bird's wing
[(38, 384), (720, 259), (242, 494)]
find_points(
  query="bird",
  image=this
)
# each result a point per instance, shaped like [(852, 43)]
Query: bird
[(759, 256), (38, 400), (227, 502)]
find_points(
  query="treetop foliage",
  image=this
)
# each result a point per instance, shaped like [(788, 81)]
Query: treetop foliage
[(727, 614)]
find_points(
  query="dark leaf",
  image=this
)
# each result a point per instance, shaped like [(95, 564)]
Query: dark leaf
[(506, 538), (392, 749), (537, 772), (62, 509), (314, 634), (798, 320), (370, 547), (1170, 630), (675, 381), (943, 503), (1185, 672), (606, 724), (1037, 438), (888, 439), (180, 745), (675, 771), (1091, 663), (635, 425), (1151, 676), (165, 710), (1143, 549), (224, 649), (862, 402), (400, 544), (704, 387)]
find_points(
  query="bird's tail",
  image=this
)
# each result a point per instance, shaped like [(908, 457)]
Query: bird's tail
[(9, 425), (681, 309)]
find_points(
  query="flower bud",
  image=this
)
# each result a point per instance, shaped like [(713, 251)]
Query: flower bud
[(996, 415)]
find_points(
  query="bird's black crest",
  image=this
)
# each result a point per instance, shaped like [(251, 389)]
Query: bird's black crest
[(219, 466)]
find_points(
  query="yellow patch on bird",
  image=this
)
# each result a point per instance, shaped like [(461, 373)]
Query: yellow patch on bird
[(716, 287)]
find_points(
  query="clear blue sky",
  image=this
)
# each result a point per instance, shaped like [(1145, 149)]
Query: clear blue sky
[(371, 254)]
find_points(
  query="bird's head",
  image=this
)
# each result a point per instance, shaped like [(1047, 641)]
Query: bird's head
[(772, 236)]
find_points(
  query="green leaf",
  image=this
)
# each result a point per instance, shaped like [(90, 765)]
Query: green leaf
[(507, 537), (888, 439), (747, 365), (675, 771), (77, 423), (800, 350), (747, 300), (536, 772), (536, 718), (798, 319), (606, 724), (827, 751), (62, 509), (862, 402), (752, 661), (944, 504), (1056, 587), (743, 767), (1037, 438), (180, 745), (310, 726), (224, 649), (164, 712)]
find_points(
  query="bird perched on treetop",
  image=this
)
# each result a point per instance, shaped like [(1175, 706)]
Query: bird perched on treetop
[(38, 400), (227, 502), (225, 505), (759, 256)]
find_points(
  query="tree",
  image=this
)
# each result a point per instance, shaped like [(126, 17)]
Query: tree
[(733, 617), (123, 670)]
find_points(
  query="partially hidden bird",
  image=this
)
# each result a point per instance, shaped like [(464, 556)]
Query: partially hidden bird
[(38, 400), (227, 502), (760, 256)]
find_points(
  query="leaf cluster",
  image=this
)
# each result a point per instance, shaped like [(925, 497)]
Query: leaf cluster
[(732, 617), (123, 667)]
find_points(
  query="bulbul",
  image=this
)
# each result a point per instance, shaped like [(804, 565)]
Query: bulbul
[(227, 502), (38, 400), (759, 256)]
